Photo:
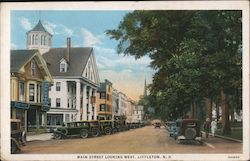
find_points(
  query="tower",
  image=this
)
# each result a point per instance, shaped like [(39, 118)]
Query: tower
[(39, 38), (145, 89)]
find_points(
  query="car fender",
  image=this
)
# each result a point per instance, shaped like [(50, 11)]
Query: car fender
[(16, 142)]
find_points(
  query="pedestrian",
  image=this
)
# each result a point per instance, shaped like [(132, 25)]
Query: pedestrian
[(213, 126), (207, 126)]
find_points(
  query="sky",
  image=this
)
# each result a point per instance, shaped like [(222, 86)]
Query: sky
[(87, 29)]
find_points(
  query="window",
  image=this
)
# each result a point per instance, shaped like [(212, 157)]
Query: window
[(58, 86), (44, 37), (33, 39), (21, 91), (66, 117), (58, 102), (62, 67), (49, 101), (102, 107), (33, 67), (102, 95), (42, 40), (31, 92), (36, 40), (38, 93), (68, 103)]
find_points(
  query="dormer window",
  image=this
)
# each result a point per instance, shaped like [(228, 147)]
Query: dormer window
[(63, 66)]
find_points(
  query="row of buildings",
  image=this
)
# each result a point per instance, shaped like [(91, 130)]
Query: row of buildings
[(50, 86)]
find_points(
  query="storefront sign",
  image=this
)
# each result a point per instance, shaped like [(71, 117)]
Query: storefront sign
[(45, 106), (20, 105)]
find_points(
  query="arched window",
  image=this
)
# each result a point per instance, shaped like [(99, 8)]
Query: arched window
[(44, 40), (36, 40), (33, 39), (41, 40)]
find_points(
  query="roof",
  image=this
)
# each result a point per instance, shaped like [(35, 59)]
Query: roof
[(39, 27), (19, 58), (78, 60)]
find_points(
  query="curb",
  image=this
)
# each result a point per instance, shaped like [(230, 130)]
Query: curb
[(224, 137)]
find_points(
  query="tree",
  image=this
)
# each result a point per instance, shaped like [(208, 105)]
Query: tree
[(196, 54)]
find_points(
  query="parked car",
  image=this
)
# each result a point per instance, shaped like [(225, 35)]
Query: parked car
[(188, 130), (78, 128), (106, 127), (172, 128), (157, 124), (18, 136)]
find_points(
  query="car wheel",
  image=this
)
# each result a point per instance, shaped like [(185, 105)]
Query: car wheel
[(108, 131), (95, 132), (84, 133), (57, 136), (14, 147)]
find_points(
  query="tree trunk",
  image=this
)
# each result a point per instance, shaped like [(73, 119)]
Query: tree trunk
[(226, 129), (193, 110), (217, 112), (209, 104)]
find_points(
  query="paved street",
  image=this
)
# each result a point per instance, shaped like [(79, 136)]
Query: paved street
[(142, 140)]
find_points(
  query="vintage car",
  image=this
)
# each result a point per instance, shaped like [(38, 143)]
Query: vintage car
[(120, 123), (172, 129), (106, 127), (157, 124), (18, 136), (78, 128), (188, 130)]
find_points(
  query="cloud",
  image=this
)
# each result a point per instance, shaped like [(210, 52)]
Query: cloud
[(13, 46), (67, 30), (50, 27), (25, 23), (89, 38)]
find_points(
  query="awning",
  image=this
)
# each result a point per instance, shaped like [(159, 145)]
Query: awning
[(21, 105)]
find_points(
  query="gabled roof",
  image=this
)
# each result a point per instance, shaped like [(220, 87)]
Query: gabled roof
[(78, 60), (19, 58), (39, 27)]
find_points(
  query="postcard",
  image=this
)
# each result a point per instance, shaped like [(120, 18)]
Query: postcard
[(142, 80)]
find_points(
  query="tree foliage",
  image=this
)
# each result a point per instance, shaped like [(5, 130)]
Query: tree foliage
[(196, 55)]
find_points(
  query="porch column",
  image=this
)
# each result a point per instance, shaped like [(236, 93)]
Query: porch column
[(45, 120), (13, 113), (94, 104), (78, 99), (90, 104), (26, 120), (37, 119), (84, 104)]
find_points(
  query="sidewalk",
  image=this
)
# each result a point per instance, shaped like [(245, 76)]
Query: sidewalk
[(223, 137), (41, 137)]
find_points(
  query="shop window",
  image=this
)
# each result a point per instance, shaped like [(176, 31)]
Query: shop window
[(31, 92), (66, 117), (58, 102)]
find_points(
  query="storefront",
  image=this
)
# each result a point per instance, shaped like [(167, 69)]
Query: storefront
[(19, 111)]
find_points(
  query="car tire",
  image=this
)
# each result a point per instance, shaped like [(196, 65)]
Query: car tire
[(64, 131), (95, 132), (84, 133), (57, 136), (108, 131), (14, 146)]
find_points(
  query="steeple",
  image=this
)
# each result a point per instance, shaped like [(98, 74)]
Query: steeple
[(145, 89)]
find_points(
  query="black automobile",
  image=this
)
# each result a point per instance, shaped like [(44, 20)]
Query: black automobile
[(188, 130), (18, 136)]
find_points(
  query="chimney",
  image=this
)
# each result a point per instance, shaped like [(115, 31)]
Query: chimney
[(68, 49)]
